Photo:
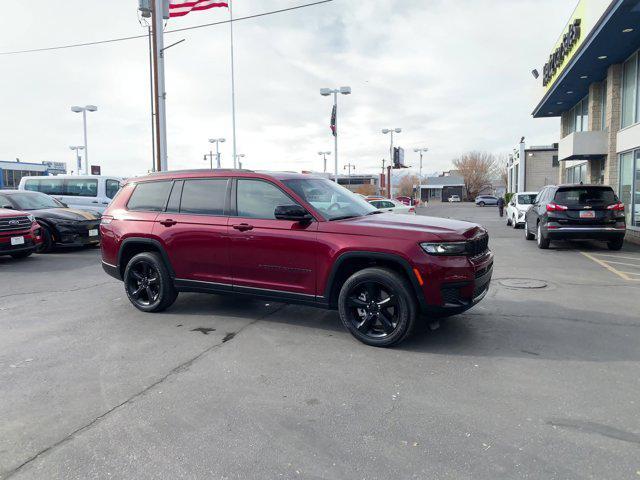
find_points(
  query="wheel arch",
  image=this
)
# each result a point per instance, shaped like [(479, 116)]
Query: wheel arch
[(350, 262), (132, 246)]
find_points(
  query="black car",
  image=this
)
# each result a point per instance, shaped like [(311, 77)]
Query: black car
[(584, 212), (59, 224)]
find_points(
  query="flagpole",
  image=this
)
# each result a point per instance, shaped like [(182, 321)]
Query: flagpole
[(233, 86), (153, 115), (158, 77)]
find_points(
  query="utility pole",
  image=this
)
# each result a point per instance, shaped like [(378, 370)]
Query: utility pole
[(210, 155), (324, 158)]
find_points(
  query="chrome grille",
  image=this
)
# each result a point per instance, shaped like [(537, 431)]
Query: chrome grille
[(478, 246), (10, 224)]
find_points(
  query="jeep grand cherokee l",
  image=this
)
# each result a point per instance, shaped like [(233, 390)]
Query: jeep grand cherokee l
[(293, 238), (19, 233)]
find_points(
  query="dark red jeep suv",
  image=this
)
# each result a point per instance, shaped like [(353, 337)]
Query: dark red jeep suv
[(292, 238)]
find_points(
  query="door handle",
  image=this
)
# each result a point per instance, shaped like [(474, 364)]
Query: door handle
[(95, 201), (243, 227), (168, 222)]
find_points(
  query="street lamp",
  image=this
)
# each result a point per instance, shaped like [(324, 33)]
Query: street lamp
[(217, 141), (78, 149), (325, 92), (348, 167), (324, 158), (84, 110), (391, 131), (421, 151), (237, 159)]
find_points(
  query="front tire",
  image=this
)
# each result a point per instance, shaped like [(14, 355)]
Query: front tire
[(508, 221), (514, 223), (378, 307), (615, 244), (481, 204), (148, 284), (47, 240), (527, 234)]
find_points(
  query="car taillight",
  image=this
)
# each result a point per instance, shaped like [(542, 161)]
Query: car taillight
[(554, 207), (618, 207), (412, 210)]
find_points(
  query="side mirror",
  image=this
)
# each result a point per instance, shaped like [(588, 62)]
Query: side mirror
[(293, 213)]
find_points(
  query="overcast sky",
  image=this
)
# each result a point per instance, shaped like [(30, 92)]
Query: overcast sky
[(455, 75)]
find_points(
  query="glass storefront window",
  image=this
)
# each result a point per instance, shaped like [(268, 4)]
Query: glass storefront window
[(603, 106), (626, 183), (629, 91), (636, 195)]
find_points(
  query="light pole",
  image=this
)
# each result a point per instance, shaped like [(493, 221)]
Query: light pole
[(325, 92), (421, 151), (217, 141), (390, 131), (84, 110), (348, 167), (239, 162), (78, 149), (324, 158)]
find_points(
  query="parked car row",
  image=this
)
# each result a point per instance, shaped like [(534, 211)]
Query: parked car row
[(569, 212)]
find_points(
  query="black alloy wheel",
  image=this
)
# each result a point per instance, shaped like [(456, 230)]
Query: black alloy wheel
[(148, 284), (377, 306)]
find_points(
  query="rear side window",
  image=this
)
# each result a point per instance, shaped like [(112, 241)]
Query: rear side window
[(585, 196), (204, 197), (149, 196), (82, 187), (50, 186)]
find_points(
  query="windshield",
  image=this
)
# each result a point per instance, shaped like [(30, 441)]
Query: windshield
[(527, 199), (34, 201), (331, 200)]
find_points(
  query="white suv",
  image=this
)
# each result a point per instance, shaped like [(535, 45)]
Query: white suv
[(518, 206)]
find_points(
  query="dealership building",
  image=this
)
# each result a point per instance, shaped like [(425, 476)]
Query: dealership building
[(591, 82), (12, 172), (531, 168)]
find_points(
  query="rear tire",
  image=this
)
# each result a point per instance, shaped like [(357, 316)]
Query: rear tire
[(378, 307), (543, 243), (527, 234), (148, 284), (47, 240), (615, 244), (21, 255), (481, 204)]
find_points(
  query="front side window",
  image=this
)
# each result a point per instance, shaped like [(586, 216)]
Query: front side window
[(149, 196), (259, 199), (81, 187), (204, 197), (333, 201), (111, 188)]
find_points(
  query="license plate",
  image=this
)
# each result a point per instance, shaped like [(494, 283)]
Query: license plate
[(587, 214), (93, 233), (17, 240)]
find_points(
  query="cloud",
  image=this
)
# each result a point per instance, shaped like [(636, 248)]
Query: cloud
[(454, 75)]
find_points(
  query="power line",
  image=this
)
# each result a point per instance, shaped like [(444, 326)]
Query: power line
[(134, 37)]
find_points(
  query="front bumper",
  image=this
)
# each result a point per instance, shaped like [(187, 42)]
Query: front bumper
[(77, 234), (31, 242)]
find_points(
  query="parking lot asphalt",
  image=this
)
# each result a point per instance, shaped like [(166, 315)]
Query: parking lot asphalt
[(532, 383)]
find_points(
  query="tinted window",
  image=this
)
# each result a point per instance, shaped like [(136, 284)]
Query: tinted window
[(173, 205), (50, 186), (585, 196), (150, 196), (81, 187), (204, 197), (526, 199), (376, 203), (258, 199), (31, 185), (112, 187)]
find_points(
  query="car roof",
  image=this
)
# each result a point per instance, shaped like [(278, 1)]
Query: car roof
[(21, 192), (204, 172)]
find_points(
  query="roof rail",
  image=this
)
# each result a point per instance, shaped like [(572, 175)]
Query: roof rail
[(202, 170)]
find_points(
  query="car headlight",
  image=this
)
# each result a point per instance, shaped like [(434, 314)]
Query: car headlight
[(520, 214), (445, 248)]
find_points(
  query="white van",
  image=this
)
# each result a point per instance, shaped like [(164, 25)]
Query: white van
[(87, 192)]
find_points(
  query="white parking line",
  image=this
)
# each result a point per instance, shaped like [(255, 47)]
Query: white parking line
[(616, 256), (631, 273), (623, 263), (606, 265)]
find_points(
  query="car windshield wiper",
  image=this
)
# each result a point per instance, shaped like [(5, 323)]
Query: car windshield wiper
[(343, 217), (375, 212)]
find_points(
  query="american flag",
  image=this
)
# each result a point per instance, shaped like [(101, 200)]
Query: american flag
[(179, 8)]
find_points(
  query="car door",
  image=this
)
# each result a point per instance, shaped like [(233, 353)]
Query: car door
[(193, 230), (539, 207), (266, 253)]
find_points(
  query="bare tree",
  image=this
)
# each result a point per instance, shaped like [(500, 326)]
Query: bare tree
[(477, 170), (406, 185), (367, 189), (502, 168)]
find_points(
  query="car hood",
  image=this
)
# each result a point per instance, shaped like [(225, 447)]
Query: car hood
[(9, 212), (389, 225), (65, 214)]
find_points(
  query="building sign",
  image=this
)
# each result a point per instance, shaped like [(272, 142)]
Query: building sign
[(557, 58), (95, 169), (398, 157)]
